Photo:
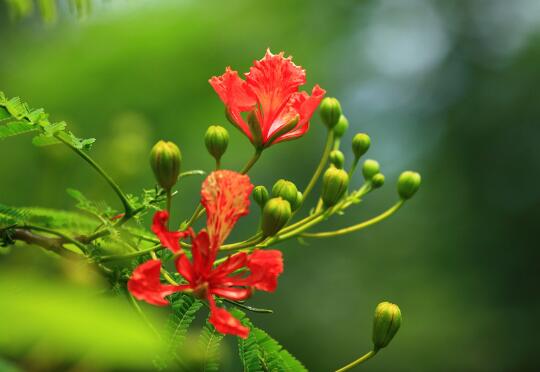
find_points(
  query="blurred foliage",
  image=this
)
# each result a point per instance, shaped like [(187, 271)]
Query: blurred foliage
[(445, 88)]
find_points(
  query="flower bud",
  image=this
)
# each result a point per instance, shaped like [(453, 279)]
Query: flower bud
[(330, 112), (298, 202), (260, 195), (337, 159), (386, 323), (335, 183), (216, 140), (377, 180), (360, 144), (408, 184), (370, 168), (276, 214), (341, 126), (286, 190), (165, 160)]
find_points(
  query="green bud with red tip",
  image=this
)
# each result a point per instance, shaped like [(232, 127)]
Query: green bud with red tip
[(341, 126), (337, 159), (408, 184), (286, 190), (334, 186), (370, 168), (330, 112), (216, 140), (260, 195), (386, 323), (276, 214), (360, 144), (166, 160)]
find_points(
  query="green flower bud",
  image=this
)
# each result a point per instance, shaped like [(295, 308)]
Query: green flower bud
[(408, 184), (276, 214), (260, 195), (360, 144), (286, 190), (335, 184), (377, 180), (337, 159), (341, 126), (298, 202), (370, 168), (330, 112), (386, 323), (165, 160), (216, 140)]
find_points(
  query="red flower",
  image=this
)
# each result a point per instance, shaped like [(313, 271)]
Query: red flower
[(270, 94), (225, 195)]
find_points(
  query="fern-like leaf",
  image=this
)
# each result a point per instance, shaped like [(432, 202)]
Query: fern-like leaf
[(16, 118), (260, 352), (209, 346), (184, 308)]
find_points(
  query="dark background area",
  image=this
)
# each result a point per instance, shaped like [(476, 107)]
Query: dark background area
[(446, 88)]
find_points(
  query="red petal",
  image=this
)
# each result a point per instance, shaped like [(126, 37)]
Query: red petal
[(184, 268), (265, 267), (225, 195), (305, 106), (235, 95), (145, 284), (232, 264), (203, 255), (232, 293), (273, 79), (169, 239), (224, 322)]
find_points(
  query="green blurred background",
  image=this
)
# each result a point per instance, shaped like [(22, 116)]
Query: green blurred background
[(447, 88)]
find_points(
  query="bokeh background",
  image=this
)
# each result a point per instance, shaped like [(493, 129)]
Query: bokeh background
[(447, 88)]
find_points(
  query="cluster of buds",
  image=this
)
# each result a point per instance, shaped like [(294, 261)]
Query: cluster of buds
[(280, 205)]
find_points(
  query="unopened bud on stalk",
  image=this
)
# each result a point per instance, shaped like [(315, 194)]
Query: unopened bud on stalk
[(341, 126), (298, 202), (337, 159), (286, 190), (360, 144), (260, 195), (276, 214), (386, 323), (408, 184), (216, 140), (370, 168), (335, 184), (330, 112), (165, 160), (377, 180)]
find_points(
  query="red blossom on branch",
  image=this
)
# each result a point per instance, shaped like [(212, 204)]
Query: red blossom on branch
[(225, 195), (277, 111)]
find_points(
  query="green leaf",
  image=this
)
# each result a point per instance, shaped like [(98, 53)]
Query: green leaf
[(209, 345), (15, 128), (44, 140), (184, 308), (4, 114), (260, 352)]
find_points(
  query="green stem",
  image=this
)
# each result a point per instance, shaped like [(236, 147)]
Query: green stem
[(252, 161), (254, 240), (322, 164), (249, 308), (360, 226), (142, 315), (130, 255), (169, 201), (358, 361), (123, 198), (59, 234)]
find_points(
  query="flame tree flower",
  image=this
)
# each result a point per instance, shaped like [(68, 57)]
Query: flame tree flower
[(276, 110), (225, 195)]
